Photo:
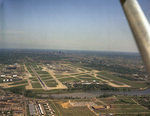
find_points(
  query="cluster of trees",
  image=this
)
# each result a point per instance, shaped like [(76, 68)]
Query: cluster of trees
[(72, 97), (22, 91), (123, 101), (129, 78), (17, 90), (114, 68), (9, 56), (144, 101), (92, 87), (105, 95)]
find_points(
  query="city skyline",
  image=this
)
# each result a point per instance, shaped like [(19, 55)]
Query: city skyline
[(66, 24)]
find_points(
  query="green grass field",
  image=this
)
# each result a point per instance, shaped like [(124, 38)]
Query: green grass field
[(42, 72), (86, 76), (81, 70), (117, 83), (45, 75), (123, 110), (69, 79), (139, 114), (46, 78), (131, 83), (75, 74), (61, 76), (36, 85), (51, 84), (50, 80), (55, 108), (35, 67), (104, 78), (19, 82), (33, 79), (122, 105), (127, 106), (1, 92), (40, 68), (82, 67), (29, 69)]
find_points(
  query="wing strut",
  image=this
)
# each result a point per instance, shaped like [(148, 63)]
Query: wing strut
[(140, 28)]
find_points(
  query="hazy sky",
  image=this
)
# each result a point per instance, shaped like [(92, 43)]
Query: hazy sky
[(66, 24)]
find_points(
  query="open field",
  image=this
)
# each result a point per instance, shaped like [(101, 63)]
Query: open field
[(71, 111), (2, 92), (131, 83), (36, 85), (124, 111), (42, 72), (122, 105), (51, 80), (33, 78), (51, 84), (19, 82), (69, 79), (86, 76), (62, 76), (47, 75), (127, 106), (82, 67), (46, 78)]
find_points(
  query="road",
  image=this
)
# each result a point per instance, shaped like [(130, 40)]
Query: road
[(92, 110), (97, 100), (29, 86), (139, 104)]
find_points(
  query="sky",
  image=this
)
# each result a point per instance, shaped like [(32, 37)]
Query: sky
[(98, 25)]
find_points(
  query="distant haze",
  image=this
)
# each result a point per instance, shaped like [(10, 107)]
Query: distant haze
[(67, 24)]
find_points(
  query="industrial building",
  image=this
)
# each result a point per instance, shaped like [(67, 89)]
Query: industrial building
[(31, 109)]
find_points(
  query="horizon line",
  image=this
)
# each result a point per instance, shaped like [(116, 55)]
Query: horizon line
[(70, 50)]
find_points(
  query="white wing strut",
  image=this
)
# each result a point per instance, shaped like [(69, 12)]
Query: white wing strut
[(140, 28)]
